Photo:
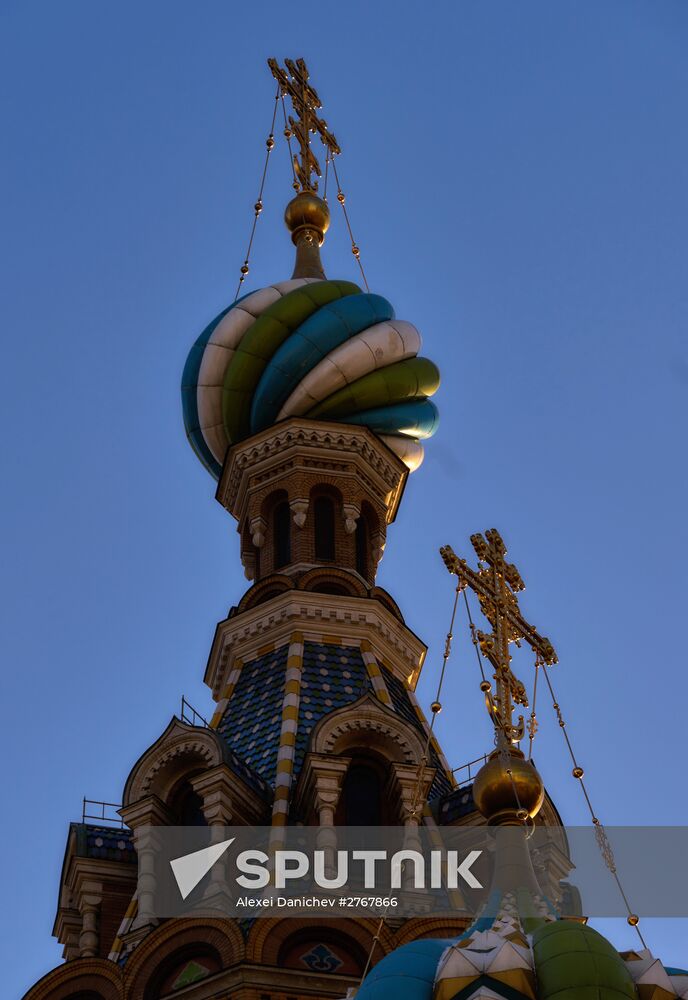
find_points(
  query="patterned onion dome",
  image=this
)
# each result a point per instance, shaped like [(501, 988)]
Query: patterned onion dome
[(308, 347), (522, 952)]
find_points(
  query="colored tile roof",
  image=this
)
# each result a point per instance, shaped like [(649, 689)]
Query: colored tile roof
[(252, 722), (332, 677), (458, 803), (402, 704), (112, 843)]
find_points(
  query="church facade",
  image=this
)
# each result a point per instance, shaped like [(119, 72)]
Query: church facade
[(308, 401)]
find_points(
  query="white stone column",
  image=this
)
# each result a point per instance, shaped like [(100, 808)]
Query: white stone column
[(143, 817), (89, 906)]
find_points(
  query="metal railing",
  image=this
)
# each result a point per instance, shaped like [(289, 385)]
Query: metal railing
[(101, 811), (190, 716), (470, 769)]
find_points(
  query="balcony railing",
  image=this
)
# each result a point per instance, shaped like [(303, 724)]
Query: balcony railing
[(103, 812), (465, 774)]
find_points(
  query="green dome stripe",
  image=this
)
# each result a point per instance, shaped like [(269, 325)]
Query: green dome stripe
[(260, 342), (413, 378), (574, 962)]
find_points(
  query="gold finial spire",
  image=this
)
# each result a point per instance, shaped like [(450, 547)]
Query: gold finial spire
[(496, 582), (507, 789), (307, 215), (293, 83)]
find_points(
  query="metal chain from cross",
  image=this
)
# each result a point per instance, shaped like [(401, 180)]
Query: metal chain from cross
[(293, 83), (496, 583)]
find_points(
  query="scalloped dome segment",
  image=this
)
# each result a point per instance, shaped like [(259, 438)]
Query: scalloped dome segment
[(314, 348), (574, 962), (406, 973)]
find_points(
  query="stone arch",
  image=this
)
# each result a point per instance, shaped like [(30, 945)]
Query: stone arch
[(83, 975), (180, 752), (268, 937), (333, 577), (177, 938), (387, 601), (271, 586), (367, 725), (368, 537), (418, 928), (277, 553)]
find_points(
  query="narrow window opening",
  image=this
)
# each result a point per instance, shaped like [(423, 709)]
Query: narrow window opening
[(281, 523), (323, 512), (362, 794), (362, 547)]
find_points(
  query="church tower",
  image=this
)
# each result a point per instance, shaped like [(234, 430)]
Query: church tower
[(308, 402)]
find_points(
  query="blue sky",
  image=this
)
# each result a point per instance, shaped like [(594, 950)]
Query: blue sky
[(516, 178)]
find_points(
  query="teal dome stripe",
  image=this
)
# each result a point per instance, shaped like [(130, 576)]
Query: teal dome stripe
[(259, 344), (417, 419), (321, 333), (190, 396), (407, 973)]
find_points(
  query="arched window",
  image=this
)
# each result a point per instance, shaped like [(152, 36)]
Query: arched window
[(323, 515), (281, 529), (187, 807), (362, 546), (362, 794), (185, 967), (322, 951)]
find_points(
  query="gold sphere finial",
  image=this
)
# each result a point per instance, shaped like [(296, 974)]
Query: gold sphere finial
[(503, 797), (306, 213)]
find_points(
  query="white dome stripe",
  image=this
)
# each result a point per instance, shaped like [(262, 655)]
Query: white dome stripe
[(219, 351), (409, 451), (377, 347)]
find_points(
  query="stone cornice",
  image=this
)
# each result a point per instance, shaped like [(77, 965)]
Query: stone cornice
[(314, 614), (312, 445)]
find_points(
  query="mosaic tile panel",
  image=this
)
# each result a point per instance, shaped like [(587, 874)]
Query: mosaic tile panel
[(109, 842), (404, 706), (332, 677), (253, 719)]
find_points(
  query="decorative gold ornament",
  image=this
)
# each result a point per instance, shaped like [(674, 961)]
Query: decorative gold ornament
[(496, 583), (293, 83), (307, 213), (506, 788)]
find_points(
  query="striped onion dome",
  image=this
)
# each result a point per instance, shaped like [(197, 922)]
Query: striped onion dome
[(314, 348)]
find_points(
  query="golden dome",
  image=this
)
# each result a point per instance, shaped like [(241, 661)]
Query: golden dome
[(307, 212), (493, 789)]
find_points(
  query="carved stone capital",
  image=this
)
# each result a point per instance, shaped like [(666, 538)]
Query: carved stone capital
[(299, 509), (409, 786), (149, 811), (320, 785), (351, 512), (215, 788), (257, 527)]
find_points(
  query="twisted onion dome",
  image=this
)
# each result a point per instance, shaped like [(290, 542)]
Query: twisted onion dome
[(307, 347)]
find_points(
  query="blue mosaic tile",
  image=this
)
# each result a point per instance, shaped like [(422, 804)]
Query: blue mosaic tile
[(457, 804), (109, 842), (404, 706), (253, 719), (332, 677)]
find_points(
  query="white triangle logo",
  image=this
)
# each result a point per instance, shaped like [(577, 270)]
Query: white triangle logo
[(190, 868)]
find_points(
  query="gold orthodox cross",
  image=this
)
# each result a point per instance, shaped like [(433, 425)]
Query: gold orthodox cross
[(496, 582), (293, 83)]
